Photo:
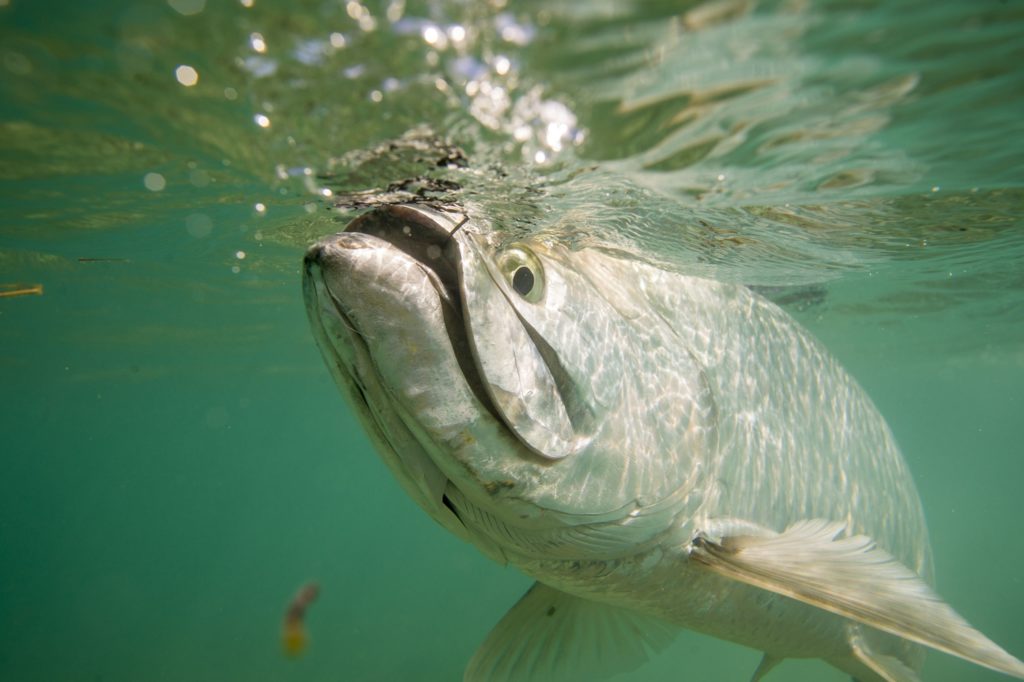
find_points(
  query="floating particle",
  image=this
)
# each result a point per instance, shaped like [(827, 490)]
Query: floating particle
[(354, 9), (14, 289), (433, 36), (512, 31), (187, 7), (17, 63), (395, 10), (199, 225), (257, 43), (259, 66), (293, 632), (199, 178), (261, 120), (186, 75), (154, 182), (311, 52), (361, 14)]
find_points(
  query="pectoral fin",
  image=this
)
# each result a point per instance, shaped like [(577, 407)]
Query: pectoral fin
[(550, 635), (852, 577)]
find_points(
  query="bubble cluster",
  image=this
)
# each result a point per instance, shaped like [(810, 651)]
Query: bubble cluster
[(361, 14)]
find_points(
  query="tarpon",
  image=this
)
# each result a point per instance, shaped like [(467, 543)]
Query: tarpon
[(657, 450)]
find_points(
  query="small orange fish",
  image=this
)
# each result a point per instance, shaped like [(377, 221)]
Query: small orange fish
[(11, 290), (293, 632)]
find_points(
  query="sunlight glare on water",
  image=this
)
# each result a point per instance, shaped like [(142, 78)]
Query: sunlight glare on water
[(177, 461)]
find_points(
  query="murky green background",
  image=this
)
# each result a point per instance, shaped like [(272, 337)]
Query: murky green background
[(174, 460)]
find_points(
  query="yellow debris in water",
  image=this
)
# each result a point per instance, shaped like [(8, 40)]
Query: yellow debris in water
[(11, 290), (293, 631), (293, 638)]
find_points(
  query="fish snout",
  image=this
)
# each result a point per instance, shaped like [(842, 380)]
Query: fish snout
[(330, 249)]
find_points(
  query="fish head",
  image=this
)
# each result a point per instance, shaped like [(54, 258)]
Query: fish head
[(518, 377)]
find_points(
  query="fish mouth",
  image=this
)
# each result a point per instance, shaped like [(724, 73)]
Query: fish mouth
[(427, 236), (424, 238)]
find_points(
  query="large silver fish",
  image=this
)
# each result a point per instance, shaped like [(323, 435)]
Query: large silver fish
[(656, 450)]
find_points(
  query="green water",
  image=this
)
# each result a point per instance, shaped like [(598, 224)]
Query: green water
[(175, 461)]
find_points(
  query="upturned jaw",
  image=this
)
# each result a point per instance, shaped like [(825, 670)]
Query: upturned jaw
[(345, 346), (383, 302)]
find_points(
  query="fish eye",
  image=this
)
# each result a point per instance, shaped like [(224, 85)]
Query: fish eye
[(523, 281), (523, 271)]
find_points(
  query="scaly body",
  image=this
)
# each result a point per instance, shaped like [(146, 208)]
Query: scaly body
[(655, 449)]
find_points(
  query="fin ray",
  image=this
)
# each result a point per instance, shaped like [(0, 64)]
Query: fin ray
[(889, 668), (552, 635), (854, 578)]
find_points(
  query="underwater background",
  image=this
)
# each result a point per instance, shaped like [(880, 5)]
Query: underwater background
[(175, 462)]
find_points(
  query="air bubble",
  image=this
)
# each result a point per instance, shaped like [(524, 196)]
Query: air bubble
[(257, 43), (199, 225), (186, 75), (154, 182), (187, 7)]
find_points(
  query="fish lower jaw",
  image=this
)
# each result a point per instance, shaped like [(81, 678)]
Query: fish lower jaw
[(349, 360)]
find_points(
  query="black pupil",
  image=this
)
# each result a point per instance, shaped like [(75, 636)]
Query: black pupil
[(522, 281)]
